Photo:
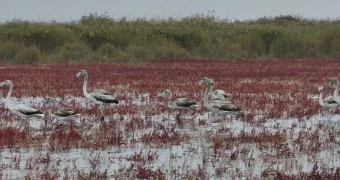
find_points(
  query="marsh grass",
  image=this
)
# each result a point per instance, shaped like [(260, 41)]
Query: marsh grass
[(99, 38)]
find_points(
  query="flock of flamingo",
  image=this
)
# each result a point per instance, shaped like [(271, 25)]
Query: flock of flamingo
[(330, 102), (219, 101), (218, 104)]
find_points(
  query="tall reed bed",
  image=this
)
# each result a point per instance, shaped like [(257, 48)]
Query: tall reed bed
[(101, 39)]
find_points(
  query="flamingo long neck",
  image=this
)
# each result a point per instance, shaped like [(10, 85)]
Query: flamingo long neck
[(336, 91), (205, 96), (8, 102), (50, 113), (169, 99), (320, 100), (86, 94), (211, 88)]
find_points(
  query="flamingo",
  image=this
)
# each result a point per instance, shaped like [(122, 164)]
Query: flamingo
[(218, 107), (327, 103), (331, 84), (21, 110), (218, 94), (64, 115), (178, 104), (97, 96)]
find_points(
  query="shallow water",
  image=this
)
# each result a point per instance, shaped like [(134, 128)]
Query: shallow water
[(250, 163)]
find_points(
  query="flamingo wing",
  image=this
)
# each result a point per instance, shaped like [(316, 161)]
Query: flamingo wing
[(104, 97), (227, 107), (27, 110), (65, 113), (329, 100), (102, 91), (184, 102)]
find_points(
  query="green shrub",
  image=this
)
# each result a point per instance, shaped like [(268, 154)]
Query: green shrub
[(123, 57), (48, 37), (98, 35), (112, 54), (268, 36), (13, 32), (139, 52), (169, 51), (99, 38), (9, 49), (96, 57), (74, 51), (29, 55), (330, 41), (109, 50), (290, 45), (188, 39)]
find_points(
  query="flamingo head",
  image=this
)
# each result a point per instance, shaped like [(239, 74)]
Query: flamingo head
[(211, 82), (204, 80), (320, 89), (81, 72), (5, 83), (165, 93), (333, 83)]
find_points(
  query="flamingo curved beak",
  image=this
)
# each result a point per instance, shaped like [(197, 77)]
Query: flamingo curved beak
[(3, 84), (163, 94), (78, 75), (200, 83), (330, 85)]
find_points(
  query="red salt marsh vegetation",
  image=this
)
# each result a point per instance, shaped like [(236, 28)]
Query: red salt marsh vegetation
[(280, 134), (281, 84)]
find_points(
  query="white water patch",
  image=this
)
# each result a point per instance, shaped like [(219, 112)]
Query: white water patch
[(188, 155), (185, 156)]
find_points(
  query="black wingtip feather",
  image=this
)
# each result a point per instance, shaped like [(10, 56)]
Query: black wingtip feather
[(32, 112), (115, 101), (332, 102), (189, 104), (231, 109), (66, 113)]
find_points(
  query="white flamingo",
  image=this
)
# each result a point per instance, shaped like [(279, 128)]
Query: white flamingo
[(97, 96), (327, 103), (218, 107), (336, 91), (64, 115), (218, 94), (21, 110), (178, 104)]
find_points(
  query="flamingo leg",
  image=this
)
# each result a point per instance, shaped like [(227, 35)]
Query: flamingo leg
[(178, 115), (319, 113), (59, 126), (45, 121), (27, 126), (22, 124), (70, 127), (101, 114)]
